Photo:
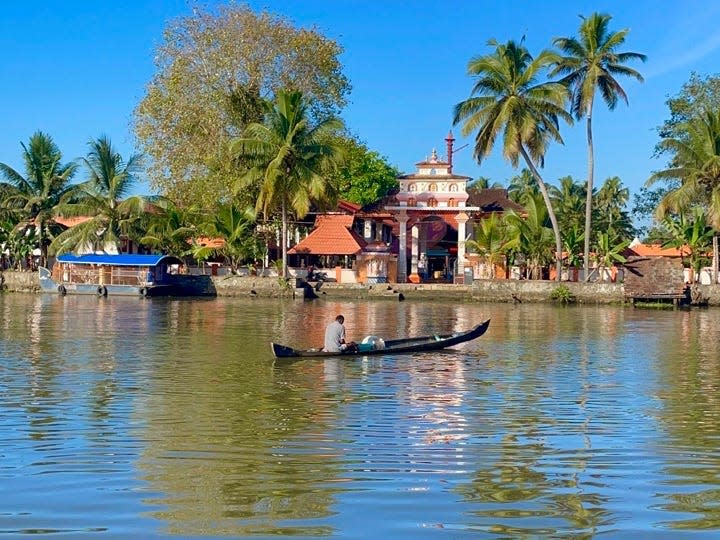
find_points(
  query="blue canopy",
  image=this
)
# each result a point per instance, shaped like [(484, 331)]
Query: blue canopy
[(118, 260)]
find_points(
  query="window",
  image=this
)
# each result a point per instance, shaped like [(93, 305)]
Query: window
[(452, 202), (432, 201), (433, 187), (412, 201)]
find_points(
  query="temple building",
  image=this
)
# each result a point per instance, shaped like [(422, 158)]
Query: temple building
[(432, 214)]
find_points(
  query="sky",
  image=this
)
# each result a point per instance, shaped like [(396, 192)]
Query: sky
[(77, 69)]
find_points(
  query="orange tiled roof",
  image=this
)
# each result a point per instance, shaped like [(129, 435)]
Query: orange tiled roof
[(656, 250), (71, 221), (332, 236)]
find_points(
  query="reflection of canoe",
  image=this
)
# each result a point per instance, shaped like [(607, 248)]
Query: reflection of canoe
[(393, 346)]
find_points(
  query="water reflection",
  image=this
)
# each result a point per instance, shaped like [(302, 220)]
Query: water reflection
[(157, 417)]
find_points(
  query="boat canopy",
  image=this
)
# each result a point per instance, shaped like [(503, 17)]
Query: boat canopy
[(118, 260)]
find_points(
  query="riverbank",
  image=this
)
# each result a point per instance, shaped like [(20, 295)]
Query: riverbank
[(480, 290)]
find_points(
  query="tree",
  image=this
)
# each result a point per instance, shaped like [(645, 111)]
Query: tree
[(510, 100), (291, 160), (236, 228), (36, 195), (364, 176), (608, 251), (103, 197), (610, 203), (214, 71), (491, 240), (569, 202), (483, 182), (696, 164), (591, 64), (521, 185), (698, 94), (169, 228), (690, 233), (530, 234)]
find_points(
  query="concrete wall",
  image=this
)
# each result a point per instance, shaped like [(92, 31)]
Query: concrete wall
[(479, 291)]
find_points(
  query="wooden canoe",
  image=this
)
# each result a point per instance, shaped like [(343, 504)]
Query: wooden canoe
[(393, 346)]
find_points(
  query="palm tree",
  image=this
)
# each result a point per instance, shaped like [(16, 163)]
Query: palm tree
[(522, 185), (569, 202), (236, 228), (591, 64), (491, 240), (690, 233), (530, 235), (610, 203), (510, 100), (169, 228), (35, 195), (696, 163), (104, 198), (291, 159), (609, 251)]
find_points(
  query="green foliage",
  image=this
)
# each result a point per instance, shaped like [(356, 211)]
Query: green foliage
[(569, 203), (104, 198), (591, 64), (562, 294), (214, 71), (690, 232), (169, 228), (492, 240), (522, 185), (610, 203), (608, 251), (573, 241), (364, 176), (236, 228), (290, 160), (33, 198), (530, 236), (507, 101)]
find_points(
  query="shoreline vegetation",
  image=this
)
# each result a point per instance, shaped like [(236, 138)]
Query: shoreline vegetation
[(487, 290)]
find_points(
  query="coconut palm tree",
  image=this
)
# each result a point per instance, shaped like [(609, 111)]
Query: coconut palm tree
[(696, 163), (35, 196), (522, 185), (569, 202), (169, 228), (236, 227), (291, 160), (508, 100), (690, 233), (103, 197), (590, 65), (610, 202), (608, 251)]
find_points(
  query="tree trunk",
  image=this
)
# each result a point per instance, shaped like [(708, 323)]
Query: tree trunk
[(283, 239), (715, 259), (551, 212), (589, 194)]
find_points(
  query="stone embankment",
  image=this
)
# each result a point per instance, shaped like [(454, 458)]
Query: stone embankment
[(480, 291)]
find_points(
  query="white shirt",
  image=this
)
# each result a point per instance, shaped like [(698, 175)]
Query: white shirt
[(334, 336)]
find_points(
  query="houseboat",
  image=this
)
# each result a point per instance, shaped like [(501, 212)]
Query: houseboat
[(104, 274)]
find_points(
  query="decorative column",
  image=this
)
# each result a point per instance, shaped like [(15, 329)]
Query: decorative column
[(461, 219), (415, 235), (402, 218)]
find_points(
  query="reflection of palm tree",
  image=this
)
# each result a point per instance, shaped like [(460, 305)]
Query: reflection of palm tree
[(509, 100), (591, 65)]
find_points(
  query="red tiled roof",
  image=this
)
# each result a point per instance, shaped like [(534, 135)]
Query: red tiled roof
[(332, 236), (71, 221), (655, 250)]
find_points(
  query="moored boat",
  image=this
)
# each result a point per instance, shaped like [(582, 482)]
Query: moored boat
[(393, 346), (104, 275)]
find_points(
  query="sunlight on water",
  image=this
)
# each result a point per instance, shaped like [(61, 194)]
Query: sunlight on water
[(142, 418)]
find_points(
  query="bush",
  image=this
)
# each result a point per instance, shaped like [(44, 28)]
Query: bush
[(562, 294)]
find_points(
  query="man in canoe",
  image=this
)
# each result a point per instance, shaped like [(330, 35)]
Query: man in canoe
[(335, 337)]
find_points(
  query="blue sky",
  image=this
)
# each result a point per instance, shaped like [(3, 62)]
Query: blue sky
[(77, 69)]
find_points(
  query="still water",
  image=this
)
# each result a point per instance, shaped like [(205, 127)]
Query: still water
[(131, 418)]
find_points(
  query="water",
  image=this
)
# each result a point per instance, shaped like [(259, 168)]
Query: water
[(131, 418)]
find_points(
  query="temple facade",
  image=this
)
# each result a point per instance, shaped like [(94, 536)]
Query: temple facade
[(432, 214)]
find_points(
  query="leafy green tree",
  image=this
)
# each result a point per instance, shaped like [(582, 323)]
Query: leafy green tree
[(104, 198), (291, 160), (697, 95), (610, 205), (690, 233), (483, 182), (364, 176), (214, 71), (491, 240), (608, 251), (530, 234), (169, 228), (521, 185), (590, 65), (569, 202), (509, 100), (36, 195), (573, 241), (236, 228)]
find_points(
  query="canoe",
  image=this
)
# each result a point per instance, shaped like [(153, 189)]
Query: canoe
[(393, 346)]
